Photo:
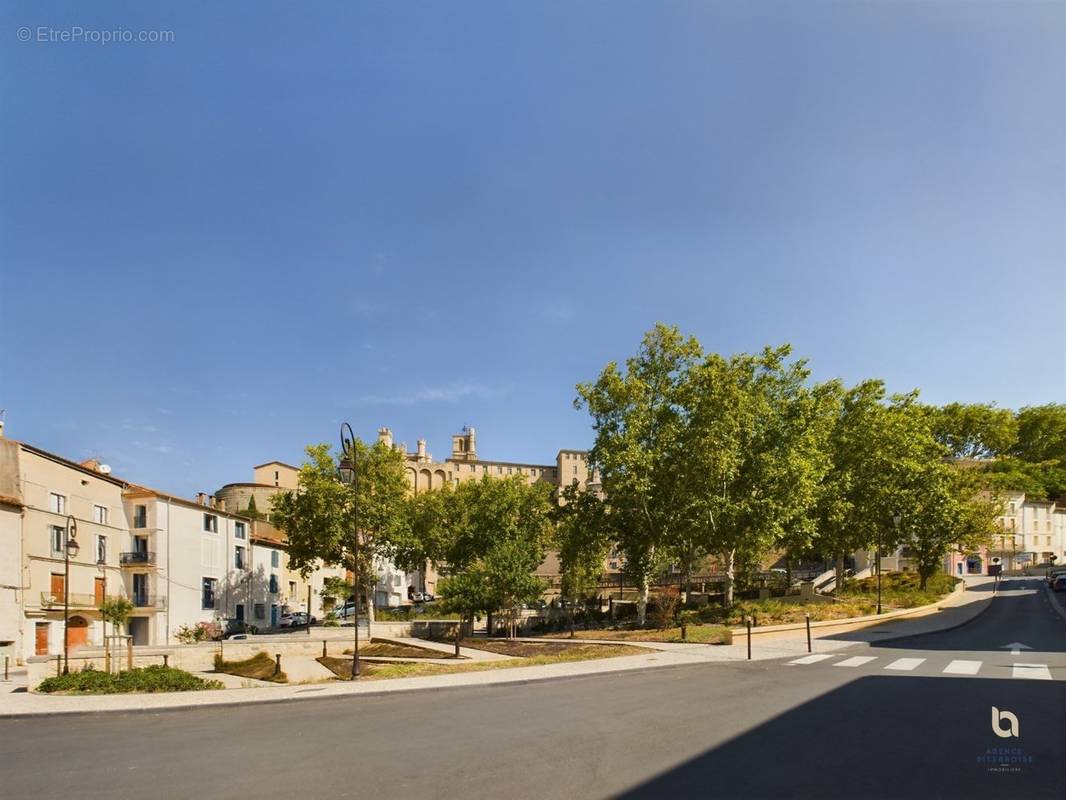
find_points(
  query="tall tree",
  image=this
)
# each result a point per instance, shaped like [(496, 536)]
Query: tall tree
[(1042, 434), (487, 537), (759, 446), (583, 540), (351, 525), (638, 416), (975, 430)]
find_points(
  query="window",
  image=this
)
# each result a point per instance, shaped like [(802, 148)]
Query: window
[(211, 523), (292, 588), (575, 469), (101, 549), (260, 611), (208, 599), (100, 515), (58, 537), (57, 503), (140, 516), (273, 583), (239, 613), (238, 557), (238, 530), (140, 589), (499, 470), (274, 558)]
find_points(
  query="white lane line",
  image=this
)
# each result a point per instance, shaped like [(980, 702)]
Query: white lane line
[(963, 667), (1038, 672), (855, 661), (811, 659), (905, 664)]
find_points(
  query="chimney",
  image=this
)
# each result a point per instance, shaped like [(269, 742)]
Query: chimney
[(201, 499)]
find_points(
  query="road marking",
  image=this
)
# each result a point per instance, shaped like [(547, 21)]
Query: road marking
[(811, 659), (905, 664), (963, 667), (855, 661), (1038, 672)]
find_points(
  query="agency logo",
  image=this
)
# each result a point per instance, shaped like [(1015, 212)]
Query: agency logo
[(998, 720)]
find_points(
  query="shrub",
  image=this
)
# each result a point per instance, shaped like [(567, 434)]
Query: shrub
[(664, 612), (156, 678), (201, 632)]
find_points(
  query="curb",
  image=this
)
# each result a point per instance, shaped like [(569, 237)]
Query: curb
[(335, 697), (956, 626)]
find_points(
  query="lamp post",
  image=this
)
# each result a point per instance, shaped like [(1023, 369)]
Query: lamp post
[(70, 550), (348, 474)]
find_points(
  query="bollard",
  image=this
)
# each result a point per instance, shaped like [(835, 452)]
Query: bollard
[(277, 663), (749, 638), (6, 659), (59, 666), (808, 632), (323, 648), (166, 659)]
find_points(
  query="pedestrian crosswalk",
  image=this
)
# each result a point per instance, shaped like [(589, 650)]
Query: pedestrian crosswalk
[(958, 666)]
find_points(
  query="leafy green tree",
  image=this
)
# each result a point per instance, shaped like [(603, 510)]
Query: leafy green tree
[(116, 610), (760, 446), (1042, 434), (336, 589), (487, 537), (638, 416), (583, 540), (976, 430), (351, 525)]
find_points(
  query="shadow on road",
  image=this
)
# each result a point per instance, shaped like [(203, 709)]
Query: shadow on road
[(889, 737)]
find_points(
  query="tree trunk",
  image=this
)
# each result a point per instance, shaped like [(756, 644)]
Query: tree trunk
[(788, 571), (458, 634), (571, 620), (642, 602), (730, 577), (840, 573), (369, 610)]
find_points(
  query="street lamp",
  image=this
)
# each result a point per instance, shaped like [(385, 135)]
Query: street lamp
[(346, 471), (70, 550)]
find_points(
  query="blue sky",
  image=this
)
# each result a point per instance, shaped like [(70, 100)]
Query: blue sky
[(427, 215)]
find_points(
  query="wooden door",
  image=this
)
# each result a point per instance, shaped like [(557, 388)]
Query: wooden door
[(99, 590), (77, 632), (56, 587), (41, 648)]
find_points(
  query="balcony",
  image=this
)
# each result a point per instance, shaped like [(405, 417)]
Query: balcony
[(76, 599), (148, 600), (138, 558)]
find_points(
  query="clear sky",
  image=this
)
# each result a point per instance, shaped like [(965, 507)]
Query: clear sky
[(428, 215)]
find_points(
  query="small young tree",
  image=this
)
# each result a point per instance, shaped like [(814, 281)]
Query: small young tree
[(582, 538), (116, 610)]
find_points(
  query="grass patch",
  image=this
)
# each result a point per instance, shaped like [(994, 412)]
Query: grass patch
[(407, 613), (259, 667), (702, 634), (342, 667), (385, 649), (152, 679), (899, 589)]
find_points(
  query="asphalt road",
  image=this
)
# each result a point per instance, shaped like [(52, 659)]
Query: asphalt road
[(769, 729)]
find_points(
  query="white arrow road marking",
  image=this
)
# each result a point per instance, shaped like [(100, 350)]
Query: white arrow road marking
[(963, 667), (1015, 648), (811, 659), (905, 664), (855, 661), (1038, 672)]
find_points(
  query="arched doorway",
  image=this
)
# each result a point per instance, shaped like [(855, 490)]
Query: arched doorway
[(77, 632)]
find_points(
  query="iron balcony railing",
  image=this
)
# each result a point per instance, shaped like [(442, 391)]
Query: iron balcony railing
[(148, 600), (76, 600), (136, 558)]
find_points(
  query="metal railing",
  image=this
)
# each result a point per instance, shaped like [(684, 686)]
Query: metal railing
[(76, 599), (137, 557), (148, 600)]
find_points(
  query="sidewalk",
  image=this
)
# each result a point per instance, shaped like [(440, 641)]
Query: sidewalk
[(958, 610)]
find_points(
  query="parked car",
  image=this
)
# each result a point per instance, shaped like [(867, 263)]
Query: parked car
[(1059, 584), (428, 598), (417, 597), (295, 619), (237, 628), (346, 611), (1055, 572)]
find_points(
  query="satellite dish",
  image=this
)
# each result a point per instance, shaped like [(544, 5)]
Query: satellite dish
[(104, 469)]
